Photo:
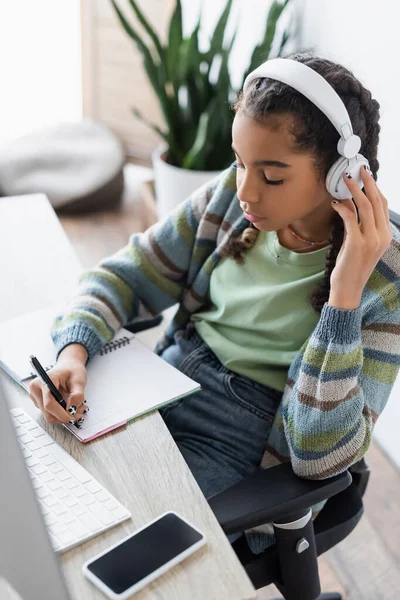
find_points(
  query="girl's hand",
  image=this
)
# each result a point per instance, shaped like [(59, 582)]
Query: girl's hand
[(364, 243), (69, 376)]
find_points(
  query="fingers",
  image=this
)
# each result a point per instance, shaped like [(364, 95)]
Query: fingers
[(42, 398), (347, 211), (364, 206), (53, 412), (76, 404), (371, 203), (377, 199)]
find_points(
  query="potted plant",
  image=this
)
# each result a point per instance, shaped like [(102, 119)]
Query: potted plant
[(195, 93)]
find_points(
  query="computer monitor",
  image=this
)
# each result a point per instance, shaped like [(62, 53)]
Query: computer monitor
[(27, 560)]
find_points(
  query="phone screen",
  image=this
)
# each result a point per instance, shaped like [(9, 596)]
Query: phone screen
[(144, 552)]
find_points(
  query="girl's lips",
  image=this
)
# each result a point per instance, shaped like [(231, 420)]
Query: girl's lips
[(251, 218)]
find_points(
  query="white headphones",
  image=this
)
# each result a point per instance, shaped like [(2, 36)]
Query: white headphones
[(312, 85)]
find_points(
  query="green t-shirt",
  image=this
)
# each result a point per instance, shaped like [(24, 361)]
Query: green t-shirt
[(259, 315)]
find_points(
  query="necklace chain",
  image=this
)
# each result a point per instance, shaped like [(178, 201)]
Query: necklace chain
[(311, 244)]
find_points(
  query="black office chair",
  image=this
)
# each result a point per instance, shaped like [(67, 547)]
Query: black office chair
[(278, 496)]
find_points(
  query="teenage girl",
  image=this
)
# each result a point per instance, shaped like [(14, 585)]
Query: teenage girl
[(288, 310)]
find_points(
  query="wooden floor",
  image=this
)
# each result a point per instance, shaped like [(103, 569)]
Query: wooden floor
[(365, 566)]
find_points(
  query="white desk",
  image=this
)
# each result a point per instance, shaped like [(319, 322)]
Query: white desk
[(139, 463)]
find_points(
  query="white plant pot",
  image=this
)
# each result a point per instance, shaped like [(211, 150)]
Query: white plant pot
[(173, 184)]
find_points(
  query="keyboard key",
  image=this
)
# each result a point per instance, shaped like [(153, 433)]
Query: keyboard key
[(66, 538), (93, 487), (46, 477), (57, 528), (25, 438), (43, 492), (63, 475), (50, 519), (79, 510), (120, 512), (68, 517), (61, 493), (79, 529), (48, 460), (46, 440), (91, 523), (38, 469), (17, 412), (54, 485), (103, 496), (102, 514), (87, 500), (51, 500), (71, 484), (23, 418), (31, 426), (41, 453), (37, 483), (79, 491), (31, 461), (56, 468), (58, 510), (111, 504), (33, 445), (71, 502), (38, 433)]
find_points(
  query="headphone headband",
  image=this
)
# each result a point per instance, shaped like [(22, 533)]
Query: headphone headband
[(314, 87)]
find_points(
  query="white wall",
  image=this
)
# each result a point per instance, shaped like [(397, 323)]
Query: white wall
[(363, 35), (40, 65)]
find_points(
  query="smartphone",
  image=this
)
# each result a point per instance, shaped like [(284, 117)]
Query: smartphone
[(129, 565)]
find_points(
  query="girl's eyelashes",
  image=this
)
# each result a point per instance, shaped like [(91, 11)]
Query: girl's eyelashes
[(238, 165), (273, 182)]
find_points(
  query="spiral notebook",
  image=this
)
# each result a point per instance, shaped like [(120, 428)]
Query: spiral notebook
[(125, 380)]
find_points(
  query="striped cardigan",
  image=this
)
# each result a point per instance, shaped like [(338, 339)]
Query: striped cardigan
[(341, 378)]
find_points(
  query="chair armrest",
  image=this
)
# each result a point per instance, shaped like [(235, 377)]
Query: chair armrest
[(141, 324), (270, 495)]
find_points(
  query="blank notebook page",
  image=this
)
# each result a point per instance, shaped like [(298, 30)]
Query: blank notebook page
[(123, 383), (128, 382)]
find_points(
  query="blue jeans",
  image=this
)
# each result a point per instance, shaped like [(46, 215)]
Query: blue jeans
[(221, 430)]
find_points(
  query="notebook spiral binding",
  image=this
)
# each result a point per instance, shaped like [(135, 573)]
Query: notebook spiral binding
[(114, 345), (107, 348)]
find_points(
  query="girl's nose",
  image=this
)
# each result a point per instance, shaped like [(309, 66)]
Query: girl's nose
[(247, 192)]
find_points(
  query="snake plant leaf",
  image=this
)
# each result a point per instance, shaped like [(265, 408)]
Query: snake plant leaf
[(153, 126), (285, 37), (262, 51), (154, 71), (148, 28), (196, 157), (189, 59), (217, 40), (175, 36), (131, 32)]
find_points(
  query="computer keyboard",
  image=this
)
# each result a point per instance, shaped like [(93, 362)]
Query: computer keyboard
[(75, 506)]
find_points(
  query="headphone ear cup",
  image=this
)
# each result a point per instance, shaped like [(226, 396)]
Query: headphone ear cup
[(334, 180)]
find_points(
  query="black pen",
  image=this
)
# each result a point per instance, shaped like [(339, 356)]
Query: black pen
[(46, 379)]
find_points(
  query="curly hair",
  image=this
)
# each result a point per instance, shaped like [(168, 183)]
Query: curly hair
[(313, 133)]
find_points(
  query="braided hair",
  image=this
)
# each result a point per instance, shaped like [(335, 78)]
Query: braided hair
[(314, 134)]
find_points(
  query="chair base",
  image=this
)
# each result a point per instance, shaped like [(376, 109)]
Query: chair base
[(330, 596)]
